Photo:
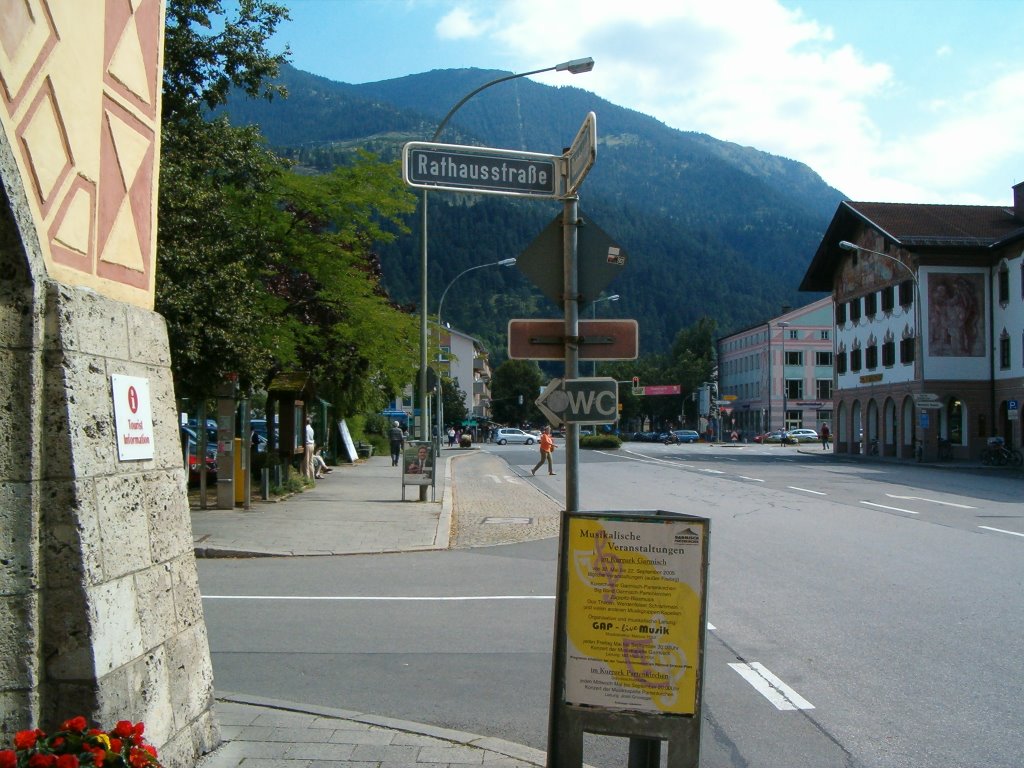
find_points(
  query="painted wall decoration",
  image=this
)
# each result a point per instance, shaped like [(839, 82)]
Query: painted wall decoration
[(956, 314), (80, 108)]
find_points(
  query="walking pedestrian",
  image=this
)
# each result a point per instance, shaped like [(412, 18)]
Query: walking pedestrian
[(547, 447), (825, 436), (397, 439)]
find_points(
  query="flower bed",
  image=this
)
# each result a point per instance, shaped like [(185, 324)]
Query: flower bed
[(76, 744)]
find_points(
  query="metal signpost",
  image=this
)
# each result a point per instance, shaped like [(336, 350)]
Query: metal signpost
[(631, 610)]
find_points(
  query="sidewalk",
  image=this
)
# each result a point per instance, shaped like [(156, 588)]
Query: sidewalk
[(357, 509)]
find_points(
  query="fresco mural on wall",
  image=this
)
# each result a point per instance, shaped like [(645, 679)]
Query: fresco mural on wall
[(956, 314)]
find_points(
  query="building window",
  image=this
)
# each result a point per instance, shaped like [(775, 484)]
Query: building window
[(823, 358), (871, 357), (1003, 278), (955, 409), (824, 416), (794, 389), (794, 358), (855, 360), (794, 335), (824, 389), (906, 293), (888, 354), (1004, 351), (888, 298), (907, 350), (855, 310), (841, 362), (825, 335), (841, 313), (445, 354), (871, 305)]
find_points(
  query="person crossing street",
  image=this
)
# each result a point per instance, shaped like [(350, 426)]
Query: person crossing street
[(547, 447)]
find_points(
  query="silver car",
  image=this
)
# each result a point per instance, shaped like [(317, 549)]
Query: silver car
[(512, 435)]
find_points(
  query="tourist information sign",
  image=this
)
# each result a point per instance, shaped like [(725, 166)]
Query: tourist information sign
[(459, 168)]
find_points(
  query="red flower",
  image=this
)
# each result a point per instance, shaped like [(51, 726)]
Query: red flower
[(8, 759), (123, 729), (115, 744), (74, 724), (67, 761), (25, 739), (40, 760)]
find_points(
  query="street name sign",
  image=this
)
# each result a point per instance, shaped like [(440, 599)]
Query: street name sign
[(930, 405), (581, 155), (459, 168), (599, 339), (580, 401)]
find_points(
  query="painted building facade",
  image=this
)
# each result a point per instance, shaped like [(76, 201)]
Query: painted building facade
[(929, 325)]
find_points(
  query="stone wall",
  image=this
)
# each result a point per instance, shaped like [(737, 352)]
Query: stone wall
[(100, 612)]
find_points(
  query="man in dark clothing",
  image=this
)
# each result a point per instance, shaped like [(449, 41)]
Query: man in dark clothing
[(397, 439)]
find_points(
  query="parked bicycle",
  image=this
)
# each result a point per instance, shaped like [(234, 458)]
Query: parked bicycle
[(997, 454)]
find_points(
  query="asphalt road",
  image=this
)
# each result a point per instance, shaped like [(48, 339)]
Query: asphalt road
[(884, 602)]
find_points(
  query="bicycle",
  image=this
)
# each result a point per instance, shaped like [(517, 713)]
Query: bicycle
[(999, 455), (873, 447)]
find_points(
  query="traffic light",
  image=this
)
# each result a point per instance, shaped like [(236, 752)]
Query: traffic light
[(520, 399), (636, 382)]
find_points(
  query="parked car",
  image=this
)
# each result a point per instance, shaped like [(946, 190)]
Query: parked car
[(682, 436), (804, 435), (512, 435), (646, 437), (777, 436), (189, 439)]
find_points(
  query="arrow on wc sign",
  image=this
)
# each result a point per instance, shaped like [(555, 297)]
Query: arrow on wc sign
[(580, 401)]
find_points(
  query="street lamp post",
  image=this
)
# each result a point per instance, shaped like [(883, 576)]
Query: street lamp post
[(440, 328), (593, 315), (784, 325), (575, 66), (846, 245)]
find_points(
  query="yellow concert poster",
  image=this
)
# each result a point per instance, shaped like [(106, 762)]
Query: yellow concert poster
[(633, 613)]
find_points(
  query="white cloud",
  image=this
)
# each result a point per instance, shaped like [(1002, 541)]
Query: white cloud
[(460, 24), (759, 74)]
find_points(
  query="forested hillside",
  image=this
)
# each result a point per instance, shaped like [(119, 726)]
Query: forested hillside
[(710, 228)]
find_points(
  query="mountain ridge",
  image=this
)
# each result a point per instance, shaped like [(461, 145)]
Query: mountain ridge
[(710, 227)]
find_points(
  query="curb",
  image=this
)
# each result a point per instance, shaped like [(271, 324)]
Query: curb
[(501, 747)]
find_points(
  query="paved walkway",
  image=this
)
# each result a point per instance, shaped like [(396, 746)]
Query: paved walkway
[(479, 501)]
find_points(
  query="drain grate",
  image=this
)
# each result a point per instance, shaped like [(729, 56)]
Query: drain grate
[(507, 520)]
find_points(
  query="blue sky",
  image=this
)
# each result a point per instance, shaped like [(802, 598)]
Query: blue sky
[(888, 100)]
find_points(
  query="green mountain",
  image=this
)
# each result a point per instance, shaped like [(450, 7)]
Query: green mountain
[(709, 227)]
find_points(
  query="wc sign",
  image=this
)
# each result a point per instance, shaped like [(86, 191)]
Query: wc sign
[(133, 418)]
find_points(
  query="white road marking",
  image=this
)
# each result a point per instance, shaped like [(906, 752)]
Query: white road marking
[(753, 479), (381, 598), (807, 490), (930, 501), (711, 627), (768, 685), (1000, 530), (713, 471), (883, 506)]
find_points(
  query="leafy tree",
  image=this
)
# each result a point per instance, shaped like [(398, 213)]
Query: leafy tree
[(515, 386), (262, 269), (211, 248), (454, 401)]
